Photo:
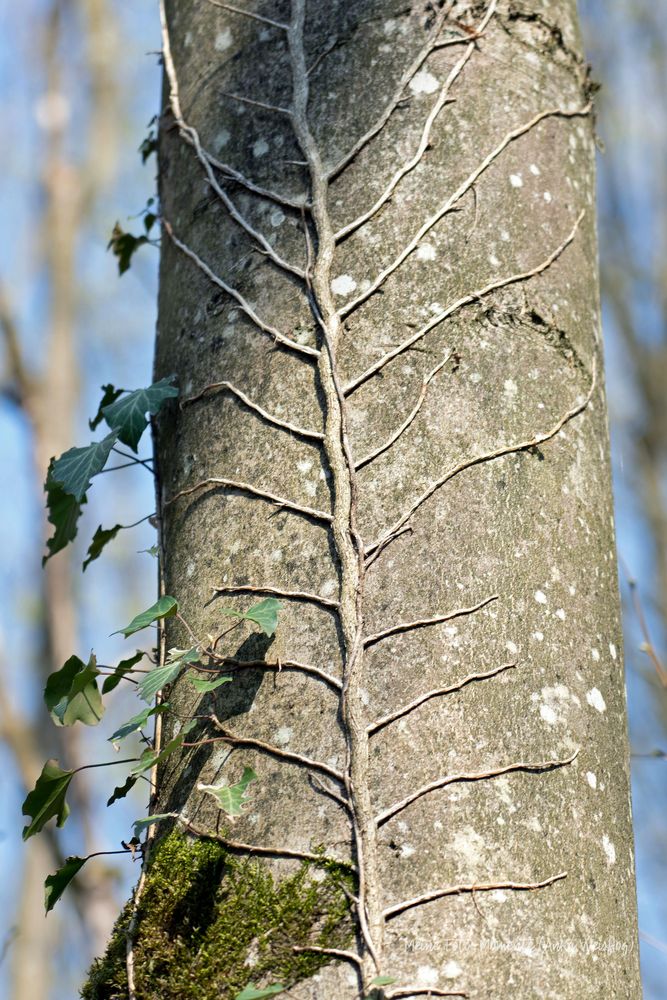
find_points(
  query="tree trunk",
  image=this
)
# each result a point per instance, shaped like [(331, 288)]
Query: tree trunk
[(379, 241)]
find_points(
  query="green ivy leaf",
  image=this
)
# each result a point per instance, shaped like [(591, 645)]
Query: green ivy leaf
[(231, 798), (120, 791), (101, 537), (71, 693), (383, 981), (164, 608), (264, 614), (152, 551), (140, 825), (47, 798), (137, 722), (110, 394), (123, 245), (204, 686), (55, 884), (124, 667), (64, 512), (74, 469), (150, 758), (161, 676), (127, 415), (257, 993)]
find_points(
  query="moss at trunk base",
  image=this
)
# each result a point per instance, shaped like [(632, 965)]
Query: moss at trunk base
[(210, 923)]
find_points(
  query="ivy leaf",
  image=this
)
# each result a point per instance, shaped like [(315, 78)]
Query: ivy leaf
[(137, 722), (120, 791), (127, 415), (255, 993), (71, 693), (110, 395), (161, 676), (164, 608), (74, 469), (153, 551), (140, 825), (124, 667), (204, 686), (101, 537), (231, 798), (264, 614), (150, 758), (383, 981), (55, 884), (123, 245), (64, 512), (47, 798)]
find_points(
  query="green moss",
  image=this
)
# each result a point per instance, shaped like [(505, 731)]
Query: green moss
[(210, 923)]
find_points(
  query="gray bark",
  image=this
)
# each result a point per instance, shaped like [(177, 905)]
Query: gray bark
[(492, 508)]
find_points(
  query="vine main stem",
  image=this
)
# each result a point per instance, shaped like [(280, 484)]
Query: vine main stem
[(348, 545)]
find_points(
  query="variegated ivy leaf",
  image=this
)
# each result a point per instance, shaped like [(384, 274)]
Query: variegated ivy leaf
[(231, 799)]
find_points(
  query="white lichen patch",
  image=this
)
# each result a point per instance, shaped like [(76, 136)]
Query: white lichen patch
[(451, 970), (427, 975), (560, 613), (426, 251), (540, 597), (344, 284), (260, 148), (469, 845), (609, 850), (539, 636), (516, 180), (591, 779), (423, 83), (493, 260), (535, 170), (283, 736), (595, 700), (304, 466), (498, 896), (595, 653), (504, 235), (548, 715), (406, 851), (510, 389), (328, 588), (511, 647), (223, 40), (612, 650), (277, 218), (548, 197)]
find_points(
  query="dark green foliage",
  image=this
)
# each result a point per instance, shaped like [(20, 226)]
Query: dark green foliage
[(101, 537), (123, 245), (203, 911), (56, 884), (71, 693), (47, 799)]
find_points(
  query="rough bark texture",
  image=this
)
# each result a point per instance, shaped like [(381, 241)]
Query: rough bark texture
[(502, 288)]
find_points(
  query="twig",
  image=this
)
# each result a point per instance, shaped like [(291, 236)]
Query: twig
[(396, 99), (450, 779), (370, 640), (266, 852), (269, 417), (279, 667), (408, 420), (258, 104), (318, 784), (411, 706), (248, 13), (233, 484), (296, 595), (443, 98), (456, 890), (422, 991), (191, 135), (236, 295), (348, 956), (465, 300), (278, 752), (450, 203), (374, 550)]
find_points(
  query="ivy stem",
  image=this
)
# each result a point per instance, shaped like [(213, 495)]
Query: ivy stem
[(107, 763)]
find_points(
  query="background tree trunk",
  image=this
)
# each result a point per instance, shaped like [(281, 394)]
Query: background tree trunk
[(466, 309)]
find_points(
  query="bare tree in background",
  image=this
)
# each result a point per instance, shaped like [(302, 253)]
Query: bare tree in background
[(77, 162)]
